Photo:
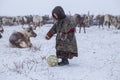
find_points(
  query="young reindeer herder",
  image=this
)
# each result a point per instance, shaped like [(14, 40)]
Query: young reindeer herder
[(66, 46)]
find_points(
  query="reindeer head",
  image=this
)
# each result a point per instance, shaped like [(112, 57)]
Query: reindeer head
[(29, 32), (32, 25)]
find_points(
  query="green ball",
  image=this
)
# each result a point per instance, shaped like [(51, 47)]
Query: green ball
[(52, 60)]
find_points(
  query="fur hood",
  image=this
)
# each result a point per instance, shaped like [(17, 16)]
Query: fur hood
[(58, 10)]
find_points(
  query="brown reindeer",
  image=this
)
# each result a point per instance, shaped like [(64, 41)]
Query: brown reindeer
[(81, 22), (100, 20), (22, 39)]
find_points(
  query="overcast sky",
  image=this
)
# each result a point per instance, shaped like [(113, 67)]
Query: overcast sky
[(42, 7)]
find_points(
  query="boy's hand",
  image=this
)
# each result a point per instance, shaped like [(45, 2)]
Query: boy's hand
[(47, 37)]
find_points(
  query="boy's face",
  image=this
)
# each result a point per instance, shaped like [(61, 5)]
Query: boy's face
[(55, 15)]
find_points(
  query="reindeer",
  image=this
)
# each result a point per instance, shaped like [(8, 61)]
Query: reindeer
[(81, 22), (100, 20), (115, 21), (108, 20), (22, 39), (32, 25), (37, 20)]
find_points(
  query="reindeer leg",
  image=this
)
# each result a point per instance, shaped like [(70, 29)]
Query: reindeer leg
[(84, 29), (102, 26), (108, 24), (0, 36), (23, 44), (99, 26), (80, 29)]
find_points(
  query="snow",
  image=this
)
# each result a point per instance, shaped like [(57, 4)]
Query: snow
[(98, 50)]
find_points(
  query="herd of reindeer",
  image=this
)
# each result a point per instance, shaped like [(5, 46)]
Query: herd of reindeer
[(21, 39), (98, 20)]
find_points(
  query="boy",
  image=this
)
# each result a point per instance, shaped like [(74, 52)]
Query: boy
[(66, 46)]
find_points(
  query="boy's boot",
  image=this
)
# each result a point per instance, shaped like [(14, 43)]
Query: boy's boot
[(63, 62)]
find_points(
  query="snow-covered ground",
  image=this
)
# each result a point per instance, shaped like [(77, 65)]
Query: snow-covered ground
[(98, 49)]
